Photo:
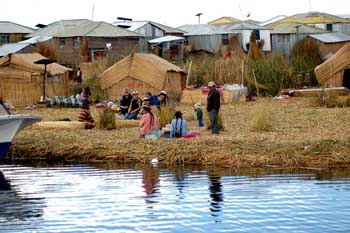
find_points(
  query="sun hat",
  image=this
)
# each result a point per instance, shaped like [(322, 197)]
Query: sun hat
[(211, 84), (135, 92), (162, 93), (197, 105)]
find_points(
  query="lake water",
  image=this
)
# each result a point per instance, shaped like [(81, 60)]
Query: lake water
[(153, 199)]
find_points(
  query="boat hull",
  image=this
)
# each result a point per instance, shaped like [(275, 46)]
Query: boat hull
[(10, 125)]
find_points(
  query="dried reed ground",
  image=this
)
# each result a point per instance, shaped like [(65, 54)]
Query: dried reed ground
[(302, 136)]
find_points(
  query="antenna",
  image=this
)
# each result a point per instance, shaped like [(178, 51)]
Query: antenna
[(310, 6), (93, 11), (199, 17)]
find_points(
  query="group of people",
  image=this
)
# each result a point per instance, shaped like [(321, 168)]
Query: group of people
[(131, 106), (178, 126)]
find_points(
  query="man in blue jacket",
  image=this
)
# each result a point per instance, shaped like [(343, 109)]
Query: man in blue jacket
[(213, 107)]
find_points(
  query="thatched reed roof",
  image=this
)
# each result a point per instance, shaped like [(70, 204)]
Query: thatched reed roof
[(335, 64), (140, 66), (26, 61)]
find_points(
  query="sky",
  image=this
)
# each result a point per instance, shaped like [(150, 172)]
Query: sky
[(172, 13)]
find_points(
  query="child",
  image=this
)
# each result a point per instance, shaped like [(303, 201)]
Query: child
[(198, 109)]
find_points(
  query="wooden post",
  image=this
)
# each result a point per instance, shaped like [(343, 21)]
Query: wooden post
[(188, 73), (256, 84)]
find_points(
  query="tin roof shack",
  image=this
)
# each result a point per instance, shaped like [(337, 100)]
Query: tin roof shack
[(144, 73), (335, 71), (206, 37), (169, 47), (285, 35), (321, 20), (12, 32), (245, 29), (148, 29), (21, 81), (84, 40), (329, 43)]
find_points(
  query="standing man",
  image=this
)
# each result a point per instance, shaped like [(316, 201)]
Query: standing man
[(213, 107), (79, 76)]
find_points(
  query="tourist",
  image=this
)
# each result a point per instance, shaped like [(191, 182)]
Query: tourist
[(125, 101), (178, 126), (152, 98), (148, 123), (134, 108), (163, 99), (213, 107)]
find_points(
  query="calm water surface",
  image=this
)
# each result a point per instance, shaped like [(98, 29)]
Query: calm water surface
[(152, 199)]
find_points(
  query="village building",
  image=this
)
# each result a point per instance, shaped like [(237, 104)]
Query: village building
[(162, 40), (335, 71), (12, 32), (206, 37), (24, 46), (213, 37), (329, 43), (285, 35), (78, 41), (331, 23), (21, 81), (143, 73)]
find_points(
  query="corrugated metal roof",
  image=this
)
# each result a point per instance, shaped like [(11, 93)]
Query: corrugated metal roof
[(56, 27), (293, 28), (224, 19), (333, 37), (166, 39), (134, 25), (311, 18), (202, 29), (96, 29), (11, 48), (131, 25), (9, 27), (82, 27), (272, 20), (36, 39), (241, 26)]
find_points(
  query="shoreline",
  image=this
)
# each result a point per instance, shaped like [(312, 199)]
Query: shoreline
[(304, 136)]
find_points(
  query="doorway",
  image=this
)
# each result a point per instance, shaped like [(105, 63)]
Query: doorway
[(346, 80)]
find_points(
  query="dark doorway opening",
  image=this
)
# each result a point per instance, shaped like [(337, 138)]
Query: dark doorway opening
[(346, 80)]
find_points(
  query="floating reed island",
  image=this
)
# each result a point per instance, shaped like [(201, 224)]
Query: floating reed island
[(295, 132)]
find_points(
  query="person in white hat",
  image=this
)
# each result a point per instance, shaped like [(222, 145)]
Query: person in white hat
[(213, 107), (163, 99), (199, 113), (134, 107)]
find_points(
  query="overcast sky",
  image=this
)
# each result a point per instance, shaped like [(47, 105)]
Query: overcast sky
[(173, 13)]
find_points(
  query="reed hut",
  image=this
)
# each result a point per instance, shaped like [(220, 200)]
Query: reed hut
[(335, 71), (144, 73), (21, 81)]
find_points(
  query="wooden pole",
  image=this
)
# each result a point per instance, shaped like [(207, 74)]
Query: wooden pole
[(188, 73), (256, 84)]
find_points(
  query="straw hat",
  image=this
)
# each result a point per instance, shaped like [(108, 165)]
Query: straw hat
[(211, 84)]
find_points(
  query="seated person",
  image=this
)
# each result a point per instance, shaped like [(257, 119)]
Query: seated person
[(178, 126), (148, 122), (134, 108), (85, 115), (153, 99), (125, 101), (163, 99)]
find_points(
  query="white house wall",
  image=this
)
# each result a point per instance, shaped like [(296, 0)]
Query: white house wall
[(264, 35)]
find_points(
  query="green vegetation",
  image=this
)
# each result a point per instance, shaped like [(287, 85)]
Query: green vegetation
[(106, 119)]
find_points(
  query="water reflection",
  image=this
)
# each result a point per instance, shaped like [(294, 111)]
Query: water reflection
[(14, 206), (150, 181), (216, 196)]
